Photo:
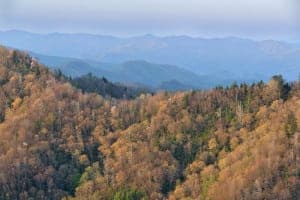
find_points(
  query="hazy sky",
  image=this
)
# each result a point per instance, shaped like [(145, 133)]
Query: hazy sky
[(248, 18)]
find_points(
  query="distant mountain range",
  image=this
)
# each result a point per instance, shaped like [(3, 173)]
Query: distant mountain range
[(141, 73), (138, 72), (192, 62)]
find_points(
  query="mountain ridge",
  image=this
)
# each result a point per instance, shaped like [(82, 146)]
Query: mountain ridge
[(202, 56), (139, 72)]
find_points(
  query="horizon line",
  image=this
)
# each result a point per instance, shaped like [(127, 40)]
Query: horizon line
[(146, 35)]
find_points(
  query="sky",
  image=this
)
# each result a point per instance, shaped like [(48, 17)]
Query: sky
[(206, 18)]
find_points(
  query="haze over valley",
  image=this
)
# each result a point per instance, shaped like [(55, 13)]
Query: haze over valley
[(151, 61), (150, 100)]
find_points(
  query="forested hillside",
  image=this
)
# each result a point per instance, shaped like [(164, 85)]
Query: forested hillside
[(93, 84), (240, 142)]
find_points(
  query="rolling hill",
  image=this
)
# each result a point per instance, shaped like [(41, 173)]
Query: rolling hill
[(131, 72)]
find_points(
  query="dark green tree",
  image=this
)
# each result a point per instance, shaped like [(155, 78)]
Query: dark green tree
[(291, 125)]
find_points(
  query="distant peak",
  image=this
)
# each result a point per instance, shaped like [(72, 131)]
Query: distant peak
[(149, 35)]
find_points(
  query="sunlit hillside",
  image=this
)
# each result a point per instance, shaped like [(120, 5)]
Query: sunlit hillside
[(56, 142)]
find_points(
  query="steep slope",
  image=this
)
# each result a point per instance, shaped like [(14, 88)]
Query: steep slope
[(44, 130), (50, 134), (240, 142)]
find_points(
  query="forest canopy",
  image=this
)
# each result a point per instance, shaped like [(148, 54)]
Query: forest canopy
[(58, 142)]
